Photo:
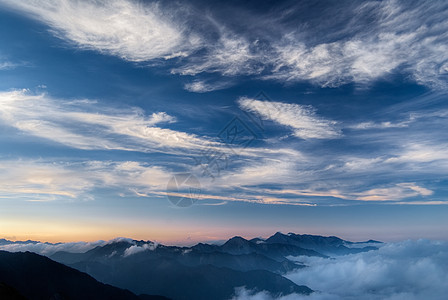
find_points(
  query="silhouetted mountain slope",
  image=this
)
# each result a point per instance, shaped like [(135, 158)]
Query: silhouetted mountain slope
[(170, 278), (243, 262), (9, 293), (38, 277)]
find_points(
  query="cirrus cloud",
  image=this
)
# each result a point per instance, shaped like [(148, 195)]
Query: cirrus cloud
[(303, 120), (400, 37), (131, 30)]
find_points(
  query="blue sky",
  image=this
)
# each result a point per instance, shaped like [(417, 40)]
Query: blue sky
[(317, 117)]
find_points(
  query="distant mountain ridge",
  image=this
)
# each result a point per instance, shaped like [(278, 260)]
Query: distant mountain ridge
[(300, 240), (8, 242), (327, 245)]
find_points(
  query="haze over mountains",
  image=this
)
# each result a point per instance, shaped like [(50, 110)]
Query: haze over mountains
[(203, 271)]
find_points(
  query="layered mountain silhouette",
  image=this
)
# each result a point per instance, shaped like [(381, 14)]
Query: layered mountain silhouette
[(183, 273), (328, 245), (203, 271)]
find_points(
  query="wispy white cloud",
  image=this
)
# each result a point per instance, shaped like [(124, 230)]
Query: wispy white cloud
[(337, 63), (46, 181), (423, 153), (308, 193), (264, 171), (88, 125), (78, 181), (201, 86), (230, 55), (40, 181), (402, 37), (398, 192), (83, 125), (6, 65), (129, 29), (303, 120), (381, 125), (292, 181)]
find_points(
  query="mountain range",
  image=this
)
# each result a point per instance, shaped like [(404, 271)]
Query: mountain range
[(204, 271)]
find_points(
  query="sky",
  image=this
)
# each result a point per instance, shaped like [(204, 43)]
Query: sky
[(196, 121)]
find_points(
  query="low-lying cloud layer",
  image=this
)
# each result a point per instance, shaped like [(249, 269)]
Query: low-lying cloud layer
[(408, 270), (137, 249), (50, 248)]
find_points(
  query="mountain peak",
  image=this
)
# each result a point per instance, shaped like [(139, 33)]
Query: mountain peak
[(237, 240)]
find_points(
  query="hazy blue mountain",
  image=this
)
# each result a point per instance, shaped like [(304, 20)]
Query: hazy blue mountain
[(256, 257), (195, 274), (243, 262), (170, 278), (98, 253), (328, 245), (8, 242), (26, 275), (239, 245)]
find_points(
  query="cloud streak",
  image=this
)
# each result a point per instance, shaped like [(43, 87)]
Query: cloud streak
[(45, 181), (398, 192), (295, 176), (128, 29), (201, 86), (303, 120), (6, 65), (83, 125)]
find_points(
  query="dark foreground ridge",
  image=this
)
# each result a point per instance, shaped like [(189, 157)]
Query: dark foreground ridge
[(26, 275)]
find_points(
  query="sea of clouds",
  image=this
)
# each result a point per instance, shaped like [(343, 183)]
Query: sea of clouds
[(408, 270)]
